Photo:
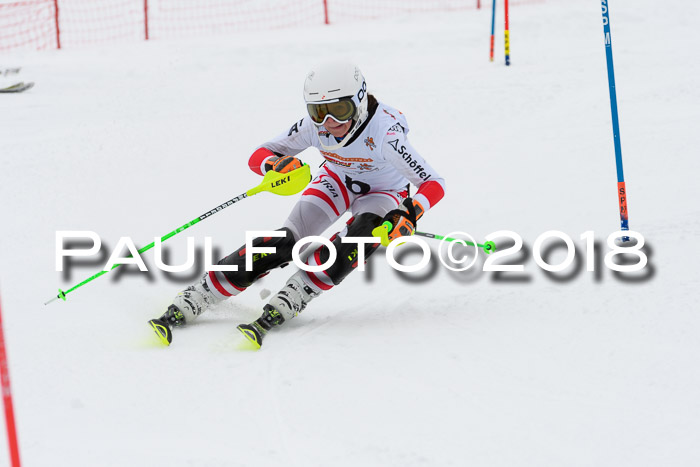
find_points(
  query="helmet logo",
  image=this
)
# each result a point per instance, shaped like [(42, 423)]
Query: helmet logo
[(362, 91)]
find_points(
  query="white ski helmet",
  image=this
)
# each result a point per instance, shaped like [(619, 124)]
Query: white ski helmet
[(336, 90)]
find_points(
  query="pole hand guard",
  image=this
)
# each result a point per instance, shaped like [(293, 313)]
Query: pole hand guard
[(284, 184)]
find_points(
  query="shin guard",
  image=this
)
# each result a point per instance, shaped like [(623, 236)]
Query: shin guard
[(346, 260), (262, 263)]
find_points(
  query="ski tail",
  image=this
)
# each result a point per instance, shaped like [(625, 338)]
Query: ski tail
[(19, 87)]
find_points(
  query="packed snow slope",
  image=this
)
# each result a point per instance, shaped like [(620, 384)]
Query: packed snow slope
[(427, 369)]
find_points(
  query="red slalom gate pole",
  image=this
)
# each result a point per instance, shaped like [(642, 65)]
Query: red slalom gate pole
[(7, 399), (145, 16), (58, 31)]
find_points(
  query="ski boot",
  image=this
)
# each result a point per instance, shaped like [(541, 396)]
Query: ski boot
[(187, 305), (161, 326), (286, 304)]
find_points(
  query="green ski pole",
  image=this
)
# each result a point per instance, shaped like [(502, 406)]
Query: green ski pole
[(488, 247), (284, 184), (383, 232)]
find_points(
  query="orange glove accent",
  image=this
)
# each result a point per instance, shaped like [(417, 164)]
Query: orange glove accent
[(404, 219), (283, 164), (419, 209), (403, 227)]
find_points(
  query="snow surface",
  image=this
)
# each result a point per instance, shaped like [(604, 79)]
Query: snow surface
[(445, 369)]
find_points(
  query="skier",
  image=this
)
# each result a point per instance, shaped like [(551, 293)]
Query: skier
[(369, 164)]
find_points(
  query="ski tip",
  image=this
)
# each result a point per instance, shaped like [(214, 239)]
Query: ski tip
[(163, 332), (251, 334)]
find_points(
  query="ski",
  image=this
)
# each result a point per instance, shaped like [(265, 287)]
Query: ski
[(162, 330), (19, 87), (253, 332)]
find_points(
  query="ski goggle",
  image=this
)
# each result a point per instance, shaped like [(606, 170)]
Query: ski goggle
[(341, 110)]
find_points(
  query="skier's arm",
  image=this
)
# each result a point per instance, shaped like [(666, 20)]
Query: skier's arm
[(402, 155), (290, 143), (431, 186)]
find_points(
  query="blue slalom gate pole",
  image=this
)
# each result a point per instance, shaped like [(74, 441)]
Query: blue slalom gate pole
[(621, 190)]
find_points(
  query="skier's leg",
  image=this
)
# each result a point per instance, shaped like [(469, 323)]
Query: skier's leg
[(321, 204), (306, 219), (304, 286), (368, 210), (216, 286), (225, 284)]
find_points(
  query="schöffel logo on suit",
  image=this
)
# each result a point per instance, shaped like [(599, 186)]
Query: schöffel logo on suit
[(412, 163)]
